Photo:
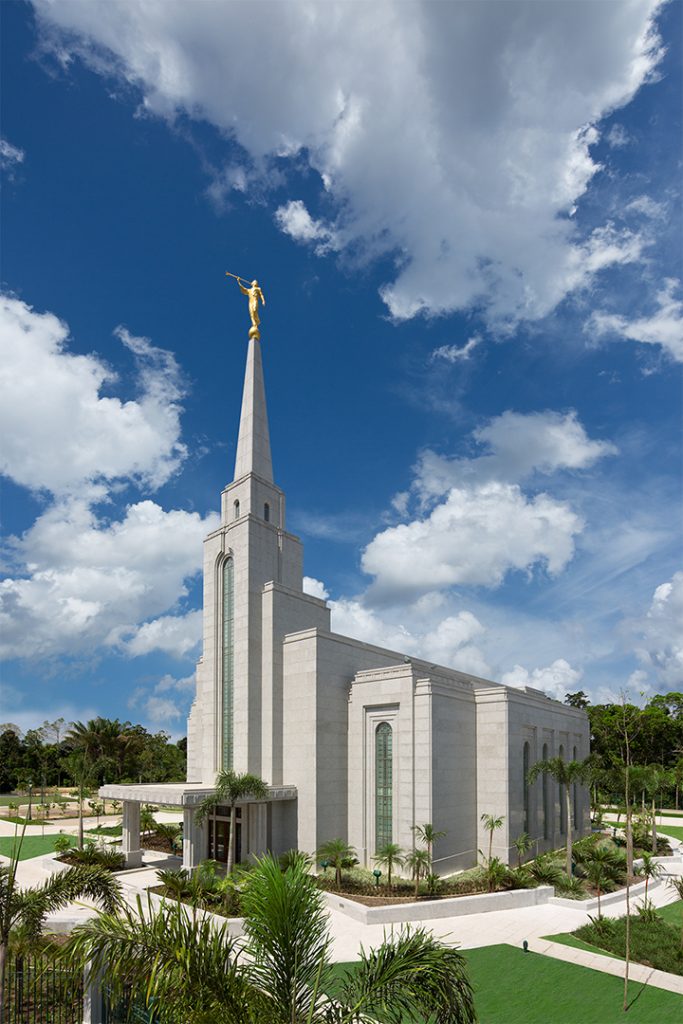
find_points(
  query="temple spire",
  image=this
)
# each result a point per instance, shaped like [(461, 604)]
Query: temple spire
[(253, 444)]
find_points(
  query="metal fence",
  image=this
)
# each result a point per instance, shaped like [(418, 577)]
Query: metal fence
[(39, 991), (125, 1010)]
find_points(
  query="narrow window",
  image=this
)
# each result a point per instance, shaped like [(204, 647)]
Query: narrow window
[(563, 801), (525, 769), (576, 799), (237, 510), (546, 797), (227, 659), (383, 785), (266, 512)]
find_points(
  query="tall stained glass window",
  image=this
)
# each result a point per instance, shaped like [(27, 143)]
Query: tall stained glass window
[(575, 810), (546, 797), (227, 661), (383, 785), (525, 769), (563, 800)]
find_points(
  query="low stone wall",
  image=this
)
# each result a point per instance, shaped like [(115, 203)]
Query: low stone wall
[(430, 910)]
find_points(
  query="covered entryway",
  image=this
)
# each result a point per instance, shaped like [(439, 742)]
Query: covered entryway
[(255, 834)]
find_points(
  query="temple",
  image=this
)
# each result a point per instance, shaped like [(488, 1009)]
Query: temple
[(354, 741)]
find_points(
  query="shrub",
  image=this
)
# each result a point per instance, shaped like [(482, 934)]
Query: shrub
[(91, 856), (653, 942), (571, 888), (62, 843), (545, 870)]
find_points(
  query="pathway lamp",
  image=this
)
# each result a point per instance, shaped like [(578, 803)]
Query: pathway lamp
[(377, 873), (29, 786), (525, 946), (324, 864)]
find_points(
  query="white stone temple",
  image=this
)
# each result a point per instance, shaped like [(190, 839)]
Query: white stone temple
[(354, 741)]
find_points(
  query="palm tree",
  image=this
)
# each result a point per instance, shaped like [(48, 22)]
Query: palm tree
[(522, 845), (602, 867), (650, 868), (231, 789), (654, 780), (387, 856), (417, 862), (335, 852), (24, 910), (181, 960), (565, 773), (428, 835), (491, 823), (80, 770)]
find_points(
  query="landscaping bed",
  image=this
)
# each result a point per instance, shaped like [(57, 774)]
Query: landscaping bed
[(654, 942)]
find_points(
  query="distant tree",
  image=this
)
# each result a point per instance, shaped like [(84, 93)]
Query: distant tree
[(11, 758), (577, 700)]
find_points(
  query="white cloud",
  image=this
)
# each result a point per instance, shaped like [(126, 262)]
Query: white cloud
[(10, 155), (664, 327), (455, 137), (315, 588), (159, 706), (82, 581), (178, 635), (476, 536), (518, 445), (453, 354), (294, 219), (617, 137), (81, 434), (660, 633), (449, 641), (646, 206), (556, 680)]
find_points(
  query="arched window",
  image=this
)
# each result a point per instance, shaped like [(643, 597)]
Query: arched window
[(546, 797), (227, 659), (563, 800), (383, 785), (266, 512), (525, 768), (575, 811), (236, 508)]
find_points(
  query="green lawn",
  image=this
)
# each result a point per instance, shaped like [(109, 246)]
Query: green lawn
[(513, 987), (567, 939), (32, 846), (106, 830), (670, 830), (673, 914)]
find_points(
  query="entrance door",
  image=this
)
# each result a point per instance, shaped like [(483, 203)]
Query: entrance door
[(219, 829)]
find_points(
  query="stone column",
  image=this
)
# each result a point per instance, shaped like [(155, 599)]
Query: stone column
[(93, 1002), (131, 834), (194, 840)]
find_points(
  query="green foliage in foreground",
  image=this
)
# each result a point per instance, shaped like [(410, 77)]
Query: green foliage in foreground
[(195, 973), (513, 987), (654, 942), (32, 846)]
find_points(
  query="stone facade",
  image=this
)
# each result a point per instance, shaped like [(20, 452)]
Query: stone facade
[(281, 696)]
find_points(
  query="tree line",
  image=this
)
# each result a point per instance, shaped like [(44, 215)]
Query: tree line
[(93, 753)]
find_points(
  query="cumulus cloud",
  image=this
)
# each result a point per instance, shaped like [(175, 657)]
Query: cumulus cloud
[(449, 642), (81, 581), (556, 680), (516, 445), (10, 155), (660, 637), (476, 536), (458, 146), (177, 635), (82, 434), (663, 327), (315, 588)]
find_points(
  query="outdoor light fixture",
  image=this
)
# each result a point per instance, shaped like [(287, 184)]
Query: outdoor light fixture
[(525, 946), (377, 873), (324, 864)]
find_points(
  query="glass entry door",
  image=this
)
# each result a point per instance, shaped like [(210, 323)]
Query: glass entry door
[(219, 829)]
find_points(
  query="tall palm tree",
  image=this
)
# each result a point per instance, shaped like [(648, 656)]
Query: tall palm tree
[(387, 856), (25, 909), (491, 823), (335, 852), (428, 835), (182, 962), (231, 789), (565, 773)]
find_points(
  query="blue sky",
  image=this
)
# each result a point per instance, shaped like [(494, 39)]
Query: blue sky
[(466, 222)]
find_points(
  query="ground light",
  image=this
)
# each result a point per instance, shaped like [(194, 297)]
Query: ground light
[(377, 873), (525, 946)]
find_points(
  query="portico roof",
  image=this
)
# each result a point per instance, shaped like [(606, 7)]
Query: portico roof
[(183, 794)]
